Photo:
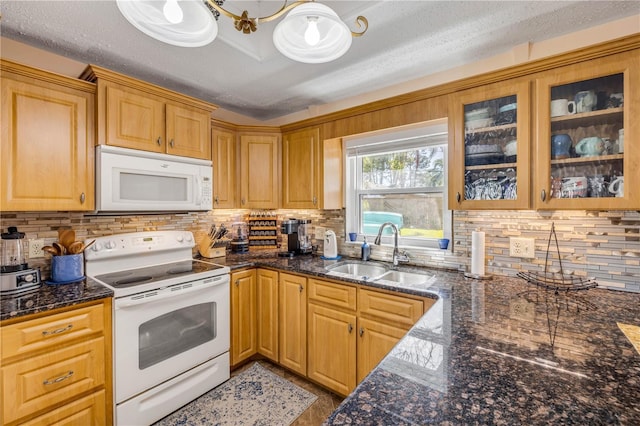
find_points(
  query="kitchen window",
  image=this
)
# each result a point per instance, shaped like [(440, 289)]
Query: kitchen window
[(400, 177)]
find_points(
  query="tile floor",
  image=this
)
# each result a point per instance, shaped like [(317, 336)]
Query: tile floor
[(326, 403)]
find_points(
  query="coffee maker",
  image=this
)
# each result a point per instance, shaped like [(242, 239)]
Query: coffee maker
[(298, 232), (15, 274)]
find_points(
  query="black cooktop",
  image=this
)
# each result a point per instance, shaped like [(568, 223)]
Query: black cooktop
[(158, 273)]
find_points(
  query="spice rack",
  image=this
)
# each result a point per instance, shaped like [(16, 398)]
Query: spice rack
[(263, 231)]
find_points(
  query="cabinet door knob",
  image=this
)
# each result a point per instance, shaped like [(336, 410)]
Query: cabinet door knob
[(159, 141), (301, 288), (82, 198), (237, 282), (350, 328), (458, 197), (217, 200), (543, 195), (315, 201), (171, 143), (58, 379), (242, 201), (361, 331)]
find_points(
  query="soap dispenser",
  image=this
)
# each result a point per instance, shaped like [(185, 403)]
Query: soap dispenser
[(365, 251)]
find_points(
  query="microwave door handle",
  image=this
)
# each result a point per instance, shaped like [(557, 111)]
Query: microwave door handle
[(199, 190)]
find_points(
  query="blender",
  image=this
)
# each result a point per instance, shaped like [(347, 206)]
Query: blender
[(15, 274)]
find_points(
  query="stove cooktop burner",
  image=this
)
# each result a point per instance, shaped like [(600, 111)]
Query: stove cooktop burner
[(132, 281), (157, 273)]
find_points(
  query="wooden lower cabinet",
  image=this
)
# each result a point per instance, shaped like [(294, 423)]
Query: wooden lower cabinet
[(267, 313), (334, 333), (293, 322), (375, 340), (56, 368), (243, 315), (332, 348)]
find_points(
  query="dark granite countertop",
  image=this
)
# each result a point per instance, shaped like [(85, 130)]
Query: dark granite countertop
[(49, 297), (499, 352)]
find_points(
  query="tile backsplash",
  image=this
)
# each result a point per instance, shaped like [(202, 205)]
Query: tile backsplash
[(602, 245)]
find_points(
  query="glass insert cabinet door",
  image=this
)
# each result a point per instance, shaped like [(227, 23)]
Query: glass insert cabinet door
[(587, 140), (490, 163)]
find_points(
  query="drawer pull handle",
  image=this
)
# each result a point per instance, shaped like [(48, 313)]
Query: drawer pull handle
[(57, 331), (361, 331), (58, 379), (350, 328)]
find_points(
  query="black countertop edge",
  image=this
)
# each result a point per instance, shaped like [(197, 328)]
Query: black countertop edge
[(48, 297)]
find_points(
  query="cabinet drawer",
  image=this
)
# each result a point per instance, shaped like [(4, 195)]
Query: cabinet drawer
[(42, 381), (50, 331), (87, 411), (388, 307), (338, 295)]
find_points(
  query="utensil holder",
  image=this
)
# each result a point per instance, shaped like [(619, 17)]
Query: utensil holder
[(67, 268)]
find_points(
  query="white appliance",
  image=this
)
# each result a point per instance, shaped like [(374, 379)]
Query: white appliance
[(330, 245), (129, 180), (171, 326)]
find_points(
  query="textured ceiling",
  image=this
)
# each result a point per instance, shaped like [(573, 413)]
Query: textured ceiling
[(246, 74)]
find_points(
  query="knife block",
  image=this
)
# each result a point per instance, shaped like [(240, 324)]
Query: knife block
[(205, 249)]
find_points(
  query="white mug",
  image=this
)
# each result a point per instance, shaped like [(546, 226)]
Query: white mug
[(621, 141), (617, 186), (561, 107)]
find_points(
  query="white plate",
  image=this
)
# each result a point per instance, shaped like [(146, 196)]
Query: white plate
[(477, 124)]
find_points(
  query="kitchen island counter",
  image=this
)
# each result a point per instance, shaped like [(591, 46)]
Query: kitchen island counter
[(499, 351)]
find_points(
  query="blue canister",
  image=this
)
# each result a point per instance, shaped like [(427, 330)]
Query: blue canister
[(67, 268)]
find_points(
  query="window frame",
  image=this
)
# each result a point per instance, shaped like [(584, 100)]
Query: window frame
[(402, 138)]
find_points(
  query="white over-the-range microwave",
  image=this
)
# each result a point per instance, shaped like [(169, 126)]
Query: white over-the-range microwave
[(130, 180)]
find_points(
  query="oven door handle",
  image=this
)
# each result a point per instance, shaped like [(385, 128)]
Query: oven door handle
[(155, 297)]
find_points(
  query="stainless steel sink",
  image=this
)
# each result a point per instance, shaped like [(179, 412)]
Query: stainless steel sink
[(362, 271), (406, 278)]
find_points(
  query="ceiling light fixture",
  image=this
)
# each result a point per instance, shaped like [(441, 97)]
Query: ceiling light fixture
[(311, 32)]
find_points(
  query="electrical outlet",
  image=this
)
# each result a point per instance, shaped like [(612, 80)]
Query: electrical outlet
[(320, 233), (522, 247), (35, 249), (522, 310)]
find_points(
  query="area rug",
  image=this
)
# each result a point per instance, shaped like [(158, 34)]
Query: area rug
[(255, 396)]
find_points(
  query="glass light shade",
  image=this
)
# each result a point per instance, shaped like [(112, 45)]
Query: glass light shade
[(197, 28), (289, 35)]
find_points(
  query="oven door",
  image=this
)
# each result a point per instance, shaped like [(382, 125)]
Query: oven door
[(162, 333)]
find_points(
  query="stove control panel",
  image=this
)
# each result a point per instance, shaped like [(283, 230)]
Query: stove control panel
[(133, 244)]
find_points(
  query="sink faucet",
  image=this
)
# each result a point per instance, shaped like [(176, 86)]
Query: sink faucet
[(397, 257)]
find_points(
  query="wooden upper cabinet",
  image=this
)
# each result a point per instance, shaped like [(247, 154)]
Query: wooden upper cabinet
[(188, 131), (133, 120), (582, 162), (259, 171), (224, 168), (489, 167), (311, 171), (138, 115), (47, 133)]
